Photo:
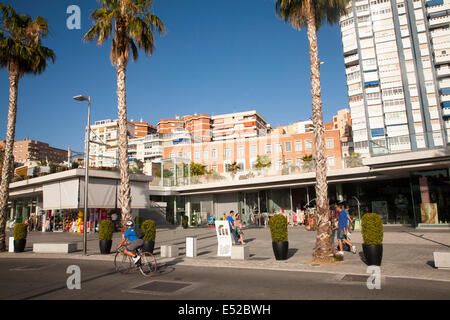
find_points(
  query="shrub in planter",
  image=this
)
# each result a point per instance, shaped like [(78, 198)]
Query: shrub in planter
[(279, 233), (149, 228), (138, 221), (372, 233), (105, 234), (20, 237)]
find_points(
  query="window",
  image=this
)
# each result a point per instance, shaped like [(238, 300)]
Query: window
[(253, 149), (188, 155), (205, 154), (288, 146), (196, 155), (279, 150), (298, 162), (298, 145), (330, 143), (240, 151), (308, 144), (214, 153), (180, 154), (172, 155), (330, 161), (227, 153), (214, 167), (279, 164), (268, 148)]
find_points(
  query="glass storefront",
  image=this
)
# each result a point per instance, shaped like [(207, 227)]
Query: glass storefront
[(421, 198), (431, 194)]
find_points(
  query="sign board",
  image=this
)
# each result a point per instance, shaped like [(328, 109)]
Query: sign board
[(223, 239), (21, 171)]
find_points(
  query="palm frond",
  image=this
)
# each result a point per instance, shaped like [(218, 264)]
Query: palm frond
[(20, 42), (295, 12), (133, 26)]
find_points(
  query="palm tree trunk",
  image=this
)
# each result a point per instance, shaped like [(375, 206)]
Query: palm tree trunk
[(323, 250), (8, 156), (124, 195)]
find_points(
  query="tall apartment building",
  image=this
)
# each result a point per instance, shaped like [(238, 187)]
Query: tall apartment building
[(104, 148), (142, 128), (397, 67), (247, 124), (280, 147), (27, 150)]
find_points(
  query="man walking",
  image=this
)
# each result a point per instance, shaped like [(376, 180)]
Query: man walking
[(231, 224), (342, 229)]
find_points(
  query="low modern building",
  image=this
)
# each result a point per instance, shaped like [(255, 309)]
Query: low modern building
[(410, 188), (56, 199), (407, 188)]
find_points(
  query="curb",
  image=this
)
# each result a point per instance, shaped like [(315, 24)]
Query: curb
[(210, 263)]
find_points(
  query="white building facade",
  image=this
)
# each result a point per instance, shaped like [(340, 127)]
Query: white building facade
[(397, 56)]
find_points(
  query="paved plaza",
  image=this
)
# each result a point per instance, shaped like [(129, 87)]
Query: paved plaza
[(407, 252)]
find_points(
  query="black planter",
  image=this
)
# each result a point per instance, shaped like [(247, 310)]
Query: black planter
[(148, 246), (373, 254), (19, 245), (280, 249), (185, 225), (105, 246)]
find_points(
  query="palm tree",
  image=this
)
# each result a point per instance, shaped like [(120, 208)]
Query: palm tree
[(312, 14), (21, 52), (233, 168), (133, 26)]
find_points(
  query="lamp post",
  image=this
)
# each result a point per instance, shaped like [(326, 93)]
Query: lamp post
[(359, 211), (86, 166)]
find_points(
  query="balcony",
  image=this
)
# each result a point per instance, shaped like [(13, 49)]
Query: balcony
[(446, 112), (441, 59), (351, 60), (445, 97), (438, 7), (439, 21)]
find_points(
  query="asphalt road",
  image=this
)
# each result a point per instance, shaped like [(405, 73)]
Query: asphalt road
[(46, 279)]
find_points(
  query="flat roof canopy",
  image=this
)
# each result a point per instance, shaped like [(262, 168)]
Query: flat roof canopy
[(65, 190)]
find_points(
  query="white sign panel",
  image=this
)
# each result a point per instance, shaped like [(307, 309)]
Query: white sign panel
[(223, 239)]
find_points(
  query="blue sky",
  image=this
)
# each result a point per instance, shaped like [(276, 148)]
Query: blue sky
[(216, 57)]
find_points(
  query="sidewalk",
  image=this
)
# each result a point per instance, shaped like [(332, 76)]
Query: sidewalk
[(407, 252)]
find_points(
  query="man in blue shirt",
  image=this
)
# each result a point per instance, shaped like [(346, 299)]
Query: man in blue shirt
[(134, 242), (231, 224), (342, 228)]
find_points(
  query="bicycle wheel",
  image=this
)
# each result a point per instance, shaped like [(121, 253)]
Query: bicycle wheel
[(122, 262), (147, 264)]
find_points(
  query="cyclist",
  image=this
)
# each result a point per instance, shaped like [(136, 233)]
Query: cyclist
[(134, 242)]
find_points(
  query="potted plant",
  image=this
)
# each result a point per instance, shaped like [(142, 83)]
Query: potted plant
[(105, 233), (149, 228), (138, 221), (372, 233), (279, 233), (184, 221), (20, 237)]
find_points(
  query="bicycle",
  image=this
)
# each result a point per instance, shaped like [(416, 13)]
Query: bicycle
[(146, 265)]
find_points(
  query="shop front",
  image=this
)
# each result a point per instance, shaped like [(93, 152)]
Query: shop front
[(57, 203)]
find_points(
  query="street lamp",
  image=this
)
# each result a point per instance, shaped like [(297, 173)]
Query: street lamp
[(359, 211), (86, 165)]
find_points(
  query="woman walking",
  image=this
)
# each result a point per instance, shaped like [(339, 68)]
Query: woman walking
[(238, 226)]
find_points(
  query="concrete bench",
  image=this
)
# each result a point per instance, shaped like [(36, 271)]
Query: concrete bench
[(442, 260), (169, 251), (54, 247), (240, 252)]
